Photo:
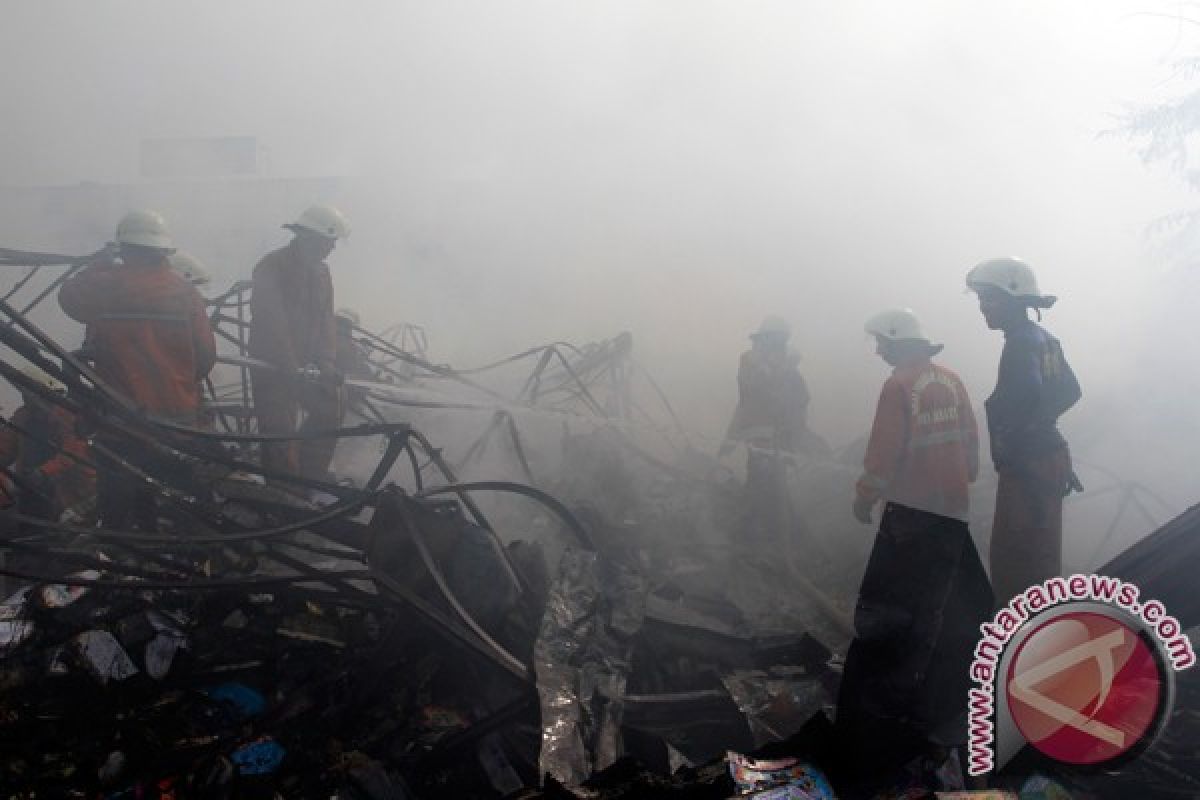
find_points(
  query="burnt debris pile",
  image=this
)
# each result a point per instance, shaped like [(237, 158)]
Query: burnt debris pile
[(372, 635)]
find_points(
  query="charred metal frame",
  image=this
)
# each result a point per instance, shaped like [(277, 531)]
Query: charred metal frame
[(166, 560)]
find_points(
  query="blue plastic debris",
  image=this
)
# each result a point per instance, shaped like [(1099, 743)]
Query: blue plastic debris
[(244, 701), (260, 757)]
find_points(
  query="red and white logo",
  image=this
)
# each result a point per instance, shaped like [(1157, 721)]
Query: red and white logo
[(1085, 688)]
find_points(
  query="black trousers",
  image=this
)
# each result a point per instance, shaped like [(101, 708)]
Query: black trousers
[(923, 597)]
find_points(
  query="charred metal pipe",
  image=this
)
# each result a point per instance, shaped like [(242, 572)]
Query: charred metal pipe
[(392, 350), (211, 538), (414, 532), (560, 510), (19, 285), (435, 455), (209, 584), (26, 258)]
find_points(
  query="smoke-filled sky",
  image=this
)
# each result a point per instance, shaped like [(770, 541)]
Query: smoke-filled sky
[(519, 172)]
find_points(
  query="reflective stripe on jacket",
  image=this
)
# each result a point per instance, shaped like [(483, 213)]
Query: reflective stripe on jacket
[(924, 445), (148, 333)]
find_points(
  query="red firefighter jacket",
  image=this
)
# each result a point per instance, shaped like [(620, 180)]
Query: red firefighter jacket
[(148, 333), (924, 445), (50, 433)]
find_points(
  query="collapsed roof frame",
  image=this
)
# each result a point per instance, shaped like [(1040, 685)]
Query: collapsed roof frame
[(110, 415)]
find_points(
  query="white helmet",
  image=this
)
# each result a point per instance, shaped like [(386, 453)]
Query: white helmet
[(896, 324), (348, 314), (189, 267), (43, 378), (1011, 276), (325, 221), (144, 229), (900, 325), (773, 324)]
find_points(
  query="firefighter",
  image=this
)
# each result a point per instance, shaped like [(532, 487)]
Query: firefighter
[(772, 409), (924, 592), (151, 342), (1034, 388), (771, 419), (146, 326), (292, 327), (46, 455)]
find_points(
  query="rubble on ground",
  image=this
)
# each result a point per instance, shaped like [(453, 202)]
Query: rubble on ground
[(376, 636)]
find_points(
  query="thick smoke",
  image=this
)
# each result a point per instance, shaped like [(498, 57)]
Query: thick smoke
[(517, 173)]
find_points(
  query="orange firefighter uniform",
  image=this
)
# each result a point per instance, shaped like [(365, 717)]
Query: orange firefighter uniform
[(151, 341), (38, 446), (924, 445), (924, 592), (292, 326), (148, 334)]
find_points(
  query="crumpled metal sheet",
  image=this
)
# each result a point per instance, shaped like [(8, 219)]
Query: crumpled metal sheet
[(776, 702), (581, 660), (15, 627), (160, 651), (103, 656)]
